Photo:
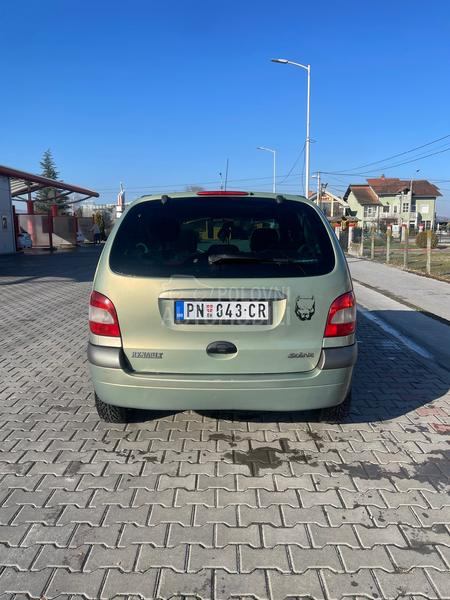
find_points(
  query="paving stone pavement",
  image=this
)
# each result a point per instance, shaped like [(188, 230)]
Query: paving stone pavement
[(210, 505)]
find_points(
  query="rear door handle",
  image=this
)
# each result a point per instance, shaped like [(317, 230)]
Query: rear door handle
[(221, 347)]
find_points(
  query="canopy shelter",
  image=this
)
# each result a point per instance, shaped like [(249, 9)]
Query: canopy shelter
[(23, 183), (45, 230)]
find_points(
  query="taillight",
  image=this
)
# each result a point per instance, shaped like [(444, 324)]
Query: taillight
[(341, 316), (102, 316)]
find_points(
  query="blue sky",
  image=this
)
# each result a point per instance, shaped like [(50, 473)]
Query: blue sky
[(161, 93)]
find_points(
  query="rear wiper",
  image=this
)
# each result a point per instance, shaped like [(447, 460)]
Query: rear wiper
[(216, 259)]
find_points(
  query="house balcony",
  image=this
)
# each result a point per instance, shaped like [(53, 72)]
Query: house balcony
[(396, 215)]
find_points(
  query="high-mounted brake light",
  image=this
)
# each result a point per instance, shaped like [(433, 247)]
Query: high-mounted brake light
[(221, 193), (341, 316), (102, 316)]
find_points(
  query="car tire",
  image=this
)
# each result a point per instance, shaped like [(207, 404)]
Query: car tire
[(339, 412), (110, 413)]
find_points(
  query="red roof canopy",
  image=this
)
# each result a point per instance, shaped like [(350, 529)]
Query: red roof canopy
[(22, 182)]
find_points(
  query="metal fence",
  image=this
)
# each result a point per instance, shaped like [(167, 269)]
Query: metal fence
[(37, 227), (85, 228), (407, 253), (64, 231), (49, 231)]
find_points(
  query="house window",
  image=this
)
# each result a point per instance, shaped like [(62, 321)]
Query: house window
[(386, 208), (405, 207), (369, 211)]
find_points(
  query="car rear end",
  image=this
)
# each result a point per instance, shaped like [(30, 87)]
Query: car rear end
[(222, 300)]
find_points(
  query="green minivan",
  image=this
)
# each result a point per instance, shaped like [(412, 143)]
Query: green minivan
[(221, 300)]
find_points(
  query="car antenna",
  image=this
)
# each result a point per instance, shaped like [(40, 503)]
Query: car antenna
[(226, 175)]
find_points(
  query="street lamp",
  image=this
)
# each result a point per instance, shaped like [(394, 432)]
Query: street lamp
[(274, 152), (307, 68), (411, 199)]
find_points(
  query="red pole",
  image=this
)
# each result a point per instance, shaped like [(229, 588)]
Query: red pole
[(30, 220)]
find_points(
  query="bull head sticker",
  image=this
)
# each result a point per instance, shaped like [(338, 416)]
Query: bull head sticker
[(305, 308)]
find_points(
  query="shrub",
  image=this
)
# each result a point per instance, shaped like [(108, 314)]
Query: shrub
[(421, 240)]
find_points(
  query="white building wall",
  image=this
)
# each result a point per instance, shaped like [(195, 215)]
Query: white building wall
[(7, 241)]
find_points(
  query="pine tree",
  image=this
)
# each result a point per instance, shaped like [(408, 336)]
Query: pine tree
[(46, 197)]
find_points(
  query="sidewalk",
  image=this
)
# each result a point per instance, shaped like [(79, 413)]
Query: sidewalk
[(428, 295)]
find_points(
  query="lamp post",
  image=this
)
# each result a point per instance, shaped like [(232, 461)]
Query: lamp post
[(411, 198), (307, 68), (274, 152)]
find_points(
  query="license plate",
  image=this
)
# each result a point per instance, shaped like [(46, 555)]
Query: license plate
[(219, 312)]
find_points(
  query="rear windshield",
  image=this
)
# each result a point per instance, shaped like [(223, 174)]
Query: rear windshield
[(222, 237)]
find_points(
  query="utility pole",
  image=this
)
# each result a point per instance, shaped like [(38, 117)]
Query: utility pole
[(401, 219), (307, 68), (274, 154), (319, 190), (308, 139), (226, 176), (410, 198)]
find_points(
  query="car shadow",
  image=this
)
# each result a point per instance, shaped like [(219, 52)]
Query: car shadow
[(390, 380), (76, 264)]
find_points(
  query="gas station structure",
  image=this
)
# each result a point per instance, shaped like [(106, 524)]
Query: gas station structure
[(45, 229)]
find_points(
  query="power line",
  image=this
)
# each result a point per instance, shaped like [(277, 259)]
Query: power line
[(294, 165), (385, 167), (400, 153), (280, 180), (177, 185)]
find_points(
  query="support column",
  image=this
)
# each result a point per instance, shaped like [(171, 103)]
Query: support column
[(429, 239), (388, 244), (30, 221), (51, 215), (16, 226), (350, 235), (406, 249)]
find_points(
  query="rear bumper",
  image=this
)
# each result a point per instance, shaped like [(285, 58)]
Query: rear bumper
[(326, 385)]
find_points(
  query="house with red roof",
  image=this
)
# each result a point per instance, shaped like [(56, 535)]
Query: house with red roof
[(392, 201)]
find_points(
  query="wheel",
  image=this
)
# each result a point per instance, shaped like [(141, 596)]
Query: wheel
[(110, 413), (339, 412)]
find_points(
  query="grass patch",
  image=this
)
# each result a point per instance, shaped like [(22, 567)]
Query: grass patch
[(417, 258)]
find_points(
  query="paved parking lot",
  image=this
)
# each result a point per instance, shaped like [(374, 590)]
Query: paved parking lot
[(210, 506)]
